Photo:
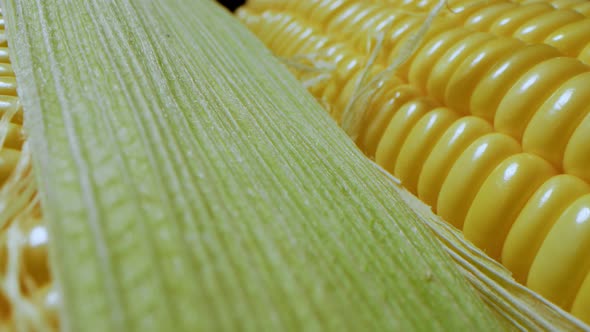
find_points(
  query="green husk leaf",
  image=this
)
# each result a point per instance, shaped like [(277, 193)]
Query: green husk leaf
[(190, 184)]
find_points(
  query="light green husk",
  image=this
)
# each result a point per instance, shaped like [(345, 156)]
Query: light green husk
[(190, 184)]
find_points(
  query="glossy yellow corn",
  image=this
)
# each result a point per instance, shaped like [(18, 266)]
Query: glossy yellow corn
[(488, 122), (32, 267)]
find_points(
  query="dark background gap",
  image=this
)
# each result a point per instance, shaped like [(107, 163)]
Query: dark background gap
[(231, 5)]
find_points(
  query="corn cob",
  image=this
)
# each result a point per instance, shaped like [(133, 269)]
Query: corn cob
[(20, 212), (488, 122), (172, 198), (581, 6)]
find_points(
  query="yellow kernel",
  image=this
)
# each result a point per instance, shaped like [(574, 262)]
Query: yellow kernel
[(14, 136), (6, 69), (8, 160), (397, 131), (34, 254), (507, 23), (463, 82), (563, 261), (571, 38), (381, 113), (469, 172), (530, 91), (427, 57), (11, 104), (500, 199), (8, 85), (536, 219), (47, 299), (419, 143), (576, 159), (444, 154), (489, 93), (449, 63), (4, 57), (540, 27), (551, 127), (483, 19)]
